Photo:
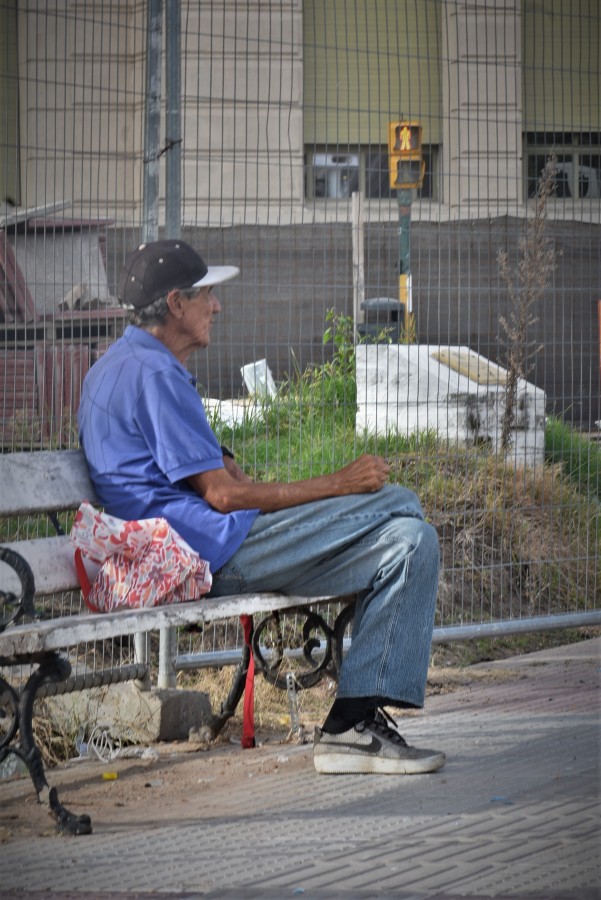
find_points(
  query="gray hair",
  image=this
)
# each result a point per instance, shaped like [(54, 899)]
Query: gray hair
[(156, 312), (153, 314)]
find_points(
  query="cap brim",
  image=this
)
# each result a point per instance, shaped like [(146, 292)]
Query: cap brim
[(217, 275)]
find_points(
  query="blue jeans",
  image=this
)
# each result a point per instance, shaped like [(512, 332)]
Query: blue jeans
[(376, 545)]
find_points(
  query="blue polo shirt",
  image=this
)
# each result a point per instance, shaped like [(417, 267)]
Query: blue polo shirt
[(144, 430)]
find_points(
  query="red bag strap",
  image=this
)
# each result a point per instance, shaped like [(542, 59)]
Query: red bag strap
[(248, 716), (82, 577)]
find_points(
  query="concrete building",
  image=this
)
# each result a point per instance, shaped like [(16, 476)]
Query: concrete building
[(273, 93), (284, 115)]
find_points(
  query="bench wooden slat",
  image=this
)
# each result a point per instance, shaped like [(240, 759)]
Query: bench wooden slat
[(58, 634), (43, 481), (52, 562)]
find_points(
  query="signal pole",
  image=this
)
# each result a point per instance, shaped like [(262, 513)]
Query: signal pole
[(404, 198), (407, 169)]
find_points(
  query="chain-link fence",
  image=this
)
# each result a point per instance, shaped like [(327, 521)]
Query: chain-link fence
[(454, 327)]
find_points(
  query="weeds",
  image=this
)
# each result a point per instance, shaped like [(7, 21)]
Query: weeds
[(579, 458), (525, 288), (515, 543)]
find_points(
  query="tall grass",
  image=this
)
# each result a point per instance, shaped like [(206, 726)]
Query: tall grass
[(514, 542), (578, 456)]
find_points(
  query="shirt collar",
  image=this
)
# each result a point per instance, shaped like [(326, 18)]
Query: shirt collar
[(141, 338)]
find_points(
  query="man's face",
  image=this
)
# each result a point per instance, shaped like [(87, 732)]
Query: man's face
[(198, 314)]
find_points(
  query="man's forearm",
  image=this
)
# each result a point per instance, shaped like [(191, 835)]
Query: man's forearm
[(269, 497), (226, 493)]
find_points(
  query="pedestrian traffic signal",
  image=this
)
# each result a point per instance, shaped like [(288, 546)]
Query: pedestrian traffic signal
[(406, 166), (405, 139), (407, 173)]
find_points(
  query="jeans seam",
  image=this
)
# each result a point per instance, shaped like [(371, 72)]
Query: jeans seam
[(228, 571), (375, 519)]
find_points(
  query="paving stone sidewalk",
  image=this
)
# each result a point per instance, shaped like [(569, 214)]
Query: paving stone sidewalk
[(514, 813)]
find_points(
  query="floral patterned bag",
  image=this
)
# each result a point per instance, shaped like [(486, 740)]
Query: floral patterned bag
[(142, 563)]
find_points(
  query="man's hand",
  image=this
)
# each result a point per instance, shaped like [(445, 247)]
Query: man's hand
[(226, 492), (364, 475)]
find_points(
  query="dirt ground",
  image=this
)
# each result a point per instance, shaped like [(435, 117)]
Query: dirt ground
[(167, 781)]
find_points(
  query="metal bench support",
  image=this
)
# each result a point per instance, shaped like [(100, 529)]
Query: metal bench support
[(19, 709)]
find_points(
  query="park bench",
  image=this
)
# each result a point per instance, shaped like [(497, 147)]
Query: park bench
[(42, 485)]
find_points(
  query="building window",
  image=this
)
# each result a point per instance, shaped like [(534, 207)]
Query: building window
[(335, 173), (578, 163)]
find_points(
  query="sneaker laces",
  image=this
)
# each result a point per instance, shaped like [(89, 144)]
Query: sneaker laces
[(385, 725)]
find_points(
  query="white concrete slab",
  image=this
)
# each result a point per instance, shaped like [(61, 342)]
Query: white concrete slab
[(451, 390)]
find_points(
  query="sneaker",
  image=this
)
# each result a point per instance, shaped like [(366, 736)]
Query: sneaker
[(372, 746)]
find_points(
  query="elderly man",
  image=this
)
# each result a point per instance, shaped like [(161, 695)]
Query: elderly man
[(151, 452)]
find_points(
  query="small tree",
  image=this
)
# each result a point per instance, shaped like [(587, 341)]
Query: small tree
[(525, 287)]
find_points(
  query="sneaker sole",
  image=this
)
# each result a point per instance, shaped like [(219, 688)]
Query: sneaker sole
[(353, 764)]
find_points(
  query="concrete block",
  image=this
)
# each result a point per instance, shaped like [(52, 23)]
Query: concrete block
[(453, 391), (131, 715)]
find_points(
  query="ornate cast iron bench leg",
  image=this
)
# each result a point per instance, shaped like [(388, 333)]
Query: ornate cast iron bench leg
[(230, 704), (275, 636), (20, 709), (16, 709), (269, 635)]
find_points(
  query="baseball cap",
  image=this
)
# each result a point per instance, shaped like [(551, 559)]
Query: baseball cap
[(158, 267)]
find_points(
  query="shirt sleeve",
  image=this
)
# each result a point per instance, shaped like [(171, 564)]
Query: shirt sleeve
[(172, 419)]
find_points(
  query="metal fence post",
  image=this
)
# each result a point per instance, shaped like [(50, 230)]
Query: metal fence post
[(173, 140), (152, 126), (150, 216), (142, 655), (167, 657)]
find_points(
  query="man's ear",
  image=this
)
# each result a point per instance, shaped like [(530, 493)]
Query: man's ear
[(175, 303)]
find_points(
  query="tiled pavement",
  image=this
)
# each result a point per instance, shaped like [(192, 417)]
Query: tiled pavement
[(514, 813)]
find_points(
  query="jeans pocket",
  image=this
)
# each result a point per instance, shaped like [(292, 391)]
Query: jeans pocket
[(228, 580)]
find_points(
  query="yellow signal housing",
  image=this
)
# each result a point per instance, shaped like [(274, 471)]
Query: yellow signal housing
[(406, 165)]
